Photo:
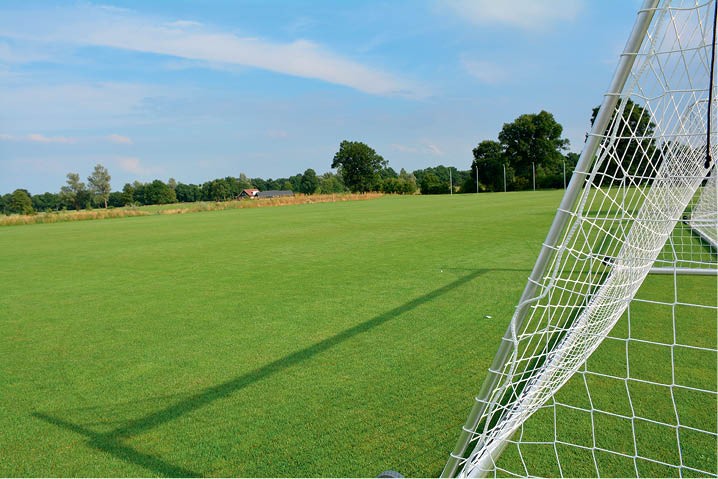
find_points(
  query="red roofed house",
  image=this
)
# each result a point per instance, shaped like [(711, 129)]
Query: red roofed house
[(249, 193)]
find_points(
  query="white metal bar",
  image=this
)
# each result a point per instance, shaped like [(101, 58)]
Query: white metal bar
[(560, 221)]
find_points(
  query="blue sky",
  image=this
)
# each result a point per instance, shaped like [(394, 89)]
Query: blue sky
[(199, 90)]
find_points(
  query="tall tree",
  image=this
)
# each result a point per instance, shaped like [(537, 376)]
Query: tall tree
[(99, 182), (533, 140), (74, 194), (243, 183), (309, 183), (636, 147), (359, 165)]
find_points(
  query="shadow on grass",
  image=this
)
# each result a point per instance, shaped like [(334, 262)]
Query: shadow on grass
[(111, 442)]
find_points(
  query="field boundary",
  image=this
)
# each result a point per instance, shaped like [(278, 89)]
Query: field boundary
[(180, 208)]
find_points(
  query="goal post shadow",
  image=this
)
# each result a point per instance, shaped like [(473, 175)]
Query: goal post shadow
[(113, 441)]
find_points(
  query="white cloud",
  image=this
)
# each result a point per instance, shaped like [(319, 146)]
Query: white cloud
[(486, 72), (522, 14), (133, 165), (38, 138), (115, 138), (90, 25)]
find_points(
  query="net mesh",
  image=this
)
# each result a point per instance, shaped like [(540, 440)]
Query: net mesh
[(645, 402)]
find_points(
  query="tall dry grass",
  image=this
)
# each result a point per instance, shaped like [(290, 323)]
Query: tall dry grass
[(62, 216), (264, 202)]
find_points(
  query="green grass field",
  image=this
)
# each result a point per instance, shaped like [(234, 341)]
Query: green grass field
[(333, 339)]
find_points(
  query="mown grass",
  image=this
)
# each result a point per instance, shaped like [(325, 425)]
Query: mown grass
[(314, 340), (332, 339)]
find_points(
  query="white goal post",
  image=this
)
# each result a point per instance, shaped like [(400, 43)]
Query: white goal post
[(642, 200)]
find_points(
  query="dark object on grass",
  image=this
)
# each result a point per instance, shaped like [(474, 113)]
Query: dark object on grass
[(390, 473)]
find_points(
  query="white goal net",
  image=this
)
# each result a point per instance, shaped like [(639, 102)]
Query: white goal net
[(607, 369)]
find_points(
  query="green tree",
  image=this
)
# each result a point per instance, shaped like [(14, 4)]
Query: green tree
[(310, 183), (116, 199), (45, 202), (74, 194), (20, 203), (431, 184), (244, 183), (188, 193), (99, 182), (440, 180), (218, 190), (128, 194), (259, 184), (235, 186), (359, 165), (331, 183), (488, 165), (533, 140), (158, 193), (139, 191), (636, 148), (407, 182)]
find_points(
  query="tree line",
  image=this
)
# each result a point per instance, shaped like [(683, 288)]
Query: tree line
[(96, 193), (529, 152)]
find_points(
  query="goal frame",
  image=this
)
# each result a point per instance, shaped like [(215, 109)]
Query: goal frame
[(548, 250)]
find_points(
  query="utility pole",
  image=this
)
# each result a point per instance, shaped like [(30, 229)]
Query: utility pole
[(477, 178), (533, 171), (451, 183), (504, 165), (564, 174)]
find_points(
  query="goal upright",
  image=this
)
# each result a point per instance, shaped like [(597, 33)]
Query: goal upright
[(593, 342)]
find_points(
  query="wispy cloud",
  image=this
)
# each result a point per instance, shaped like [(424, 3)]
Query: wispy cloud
[(425, 147), (485, 72), (184, 24), (277, 134), (522, 14), (433, 148), (38, 138), (115, 138), (131, 164), (403, 148), (96, 26)]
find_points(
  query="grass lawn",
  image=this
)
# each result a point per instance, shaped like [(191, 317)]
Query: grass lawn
[(332, 339)]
